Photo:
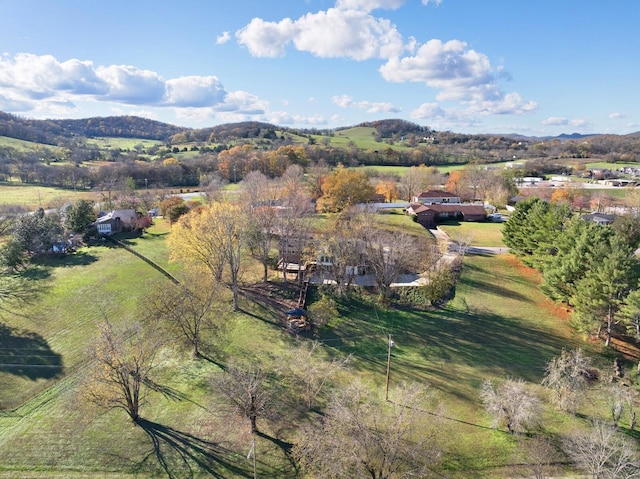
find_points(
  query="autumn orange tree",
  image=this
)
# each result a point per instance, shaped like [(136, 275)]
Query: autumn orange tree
[(343, 188)]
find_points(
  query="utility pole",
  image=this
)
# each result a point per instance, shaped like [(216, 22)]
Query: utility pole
[(390, 345), (252, 455)]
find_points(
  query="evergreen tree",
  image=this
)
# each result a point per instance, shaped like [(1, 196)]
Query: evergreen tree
[(601, 292)]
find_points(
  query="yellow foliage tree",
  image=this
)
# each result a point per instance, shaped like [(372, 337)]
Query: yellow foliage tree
[(211, 237), (343, 188)]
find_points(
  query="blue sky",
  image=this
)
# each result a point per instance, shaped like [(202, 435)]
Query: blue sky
[(540, 67)]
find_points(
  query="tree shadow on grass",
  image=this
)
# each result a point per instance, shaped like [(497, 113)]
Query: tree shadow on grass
[(78, 258), (27, 354), (181, 455)]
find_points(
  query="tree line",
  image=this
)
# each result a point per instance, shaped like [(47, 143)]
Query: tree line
[(589, 267)]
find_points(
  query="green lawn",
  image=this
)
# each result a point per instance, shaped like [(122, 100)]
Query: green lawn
[(480, 234), (122, 143), (31, 196), (499, 325)]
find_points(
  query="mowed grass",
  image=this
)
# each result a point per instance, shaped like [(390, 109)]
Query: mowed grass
[(32, 196), (122, 143), (480, 234), (499, 325)]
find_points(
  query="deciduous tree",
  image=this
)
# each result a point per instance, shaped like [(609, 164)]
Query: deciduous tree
[(187, 308), (568, 376), (246, 390), (212, 237), (122, 362), (512, 403), (343, 188), (363, 436), (603, 452)]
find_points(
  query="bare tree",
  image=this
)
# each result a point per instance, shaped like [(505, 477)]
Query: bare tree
[(538, 456), (363, 436), (309, 373), (212, 185), (603, 452), (291, 223), (510, 402), (187, 308), (567, 376), (343, 248), (261, 194), (121, 363), (418, 179), (246, 390), (390, 254)]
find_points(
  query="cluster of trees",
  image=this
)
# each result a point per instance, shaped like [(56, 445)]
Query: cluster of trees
[(591, 268), (25, 236), (51, 132), (599, 449)]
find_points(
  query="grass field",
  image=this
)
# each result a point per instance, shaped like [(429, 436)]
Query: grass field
[(31, 196), (499, 325), (22, 145), (122, 143), (480, 234)]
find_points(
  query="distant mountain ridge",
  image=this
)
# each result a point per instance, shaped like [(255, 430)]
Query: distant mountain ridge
[(54, 131)]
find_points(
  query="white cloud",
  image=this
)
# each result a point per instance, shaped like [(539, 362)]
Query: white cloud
[(42, 83), (333, 33), (224, 37), (616, 115), (555, 120), (243, 103), (369, 5), (194, 91), (434, 2), (428, 111), (128, 84), (42, 76), (459, 73), (284, 118), (345, 101), (266, 39), (562, 121), (509, 104)]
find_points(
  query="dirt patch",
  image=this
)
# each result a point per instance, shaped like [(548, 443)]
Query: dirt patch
[(527, 272), (278, 297)]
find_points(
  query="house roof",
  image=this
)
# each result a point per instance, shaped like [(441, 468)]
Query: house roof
[(599, 217), (452, 208), (127, 214), (436, 194)]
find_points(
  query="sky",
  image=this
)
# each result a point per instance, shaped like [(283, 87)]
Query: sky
[(530, 67)]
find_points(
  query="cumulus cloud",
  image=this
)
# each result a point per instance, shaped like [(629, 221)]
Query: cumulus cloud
[(27, 79), (459, 73), (556, 120), (243, 103), (224, 37), (428, 111), (345, 101), (369, 5), (128, 84), (508, 104), (562, 121), (334, 33), (284, 118), (266, 39), (39, 77), (194, 91)]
